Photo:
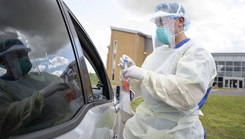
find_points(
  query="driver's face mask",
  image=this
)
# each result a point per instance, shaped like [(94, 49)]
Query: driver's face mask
[(25, 65), (19, 65)]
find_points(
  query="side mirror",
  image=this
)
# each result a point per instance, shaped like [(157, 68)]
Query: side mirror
[(99, 85), (118, 93), (132, 93)]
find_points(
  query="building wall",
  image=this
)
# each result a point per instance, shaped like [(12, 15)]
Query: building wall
[(230, 66), (230, 70), (131, 44)]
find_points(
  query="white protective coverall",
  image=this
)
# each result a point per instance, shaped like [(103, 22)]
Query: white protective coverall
[(175, 85)]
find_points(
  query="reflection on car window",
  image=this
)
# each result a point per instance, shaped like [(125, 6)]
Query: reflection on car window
[(39, 82)]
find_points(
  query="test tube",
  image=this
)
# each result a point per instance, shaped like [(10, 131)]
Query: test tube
[(125, 63)]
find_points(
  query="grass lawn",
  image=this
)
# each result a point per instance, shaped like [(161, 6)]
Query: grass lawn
[(224, 116)]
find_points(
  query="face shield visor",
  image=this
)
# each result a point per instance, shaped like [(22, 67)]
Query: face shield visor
[(14, 59), (164, 32), (18, 63), (164, 18)]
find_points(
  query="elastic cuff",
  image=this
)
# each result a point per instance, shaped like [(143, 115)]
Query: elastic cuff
[(143, 75), (40, 96)]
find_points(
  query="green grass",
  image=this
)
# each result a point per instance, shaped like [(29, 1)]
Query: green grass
[(136, 102), (93, 78), (224, 116)]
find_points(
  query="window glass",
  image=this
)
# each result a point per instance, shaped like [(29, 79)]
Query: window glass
[(94, 66), (229, 63), (229, 68), (39, 82), (237, 68), (221, 73), (237, 63), (229, 74), (243, 74), (221, 62), (97, 84), (237, 74)]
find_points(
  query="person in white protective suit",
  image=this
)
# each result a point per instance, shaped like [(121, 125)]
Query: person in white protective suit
[(175, 80)]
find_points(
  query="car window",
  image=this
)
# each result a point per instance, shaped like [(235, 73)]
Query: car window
[(40, 86), (97, 74), (96, 83)]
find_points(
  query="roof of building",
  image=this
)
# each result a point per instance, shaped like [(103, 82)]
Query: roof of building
[(228, 54), (130, 31)]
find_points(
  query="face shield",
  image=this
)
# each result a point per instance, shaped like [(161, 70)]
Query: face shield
[(164, 32), (14, 59), (18, 64), (164, 18)]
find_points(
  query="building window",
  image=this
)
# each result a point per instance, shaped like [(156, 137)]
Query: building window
[(114, 59), (237, 68), (237, 63), (229, 68), (115, 49), (229, 63), (221, 73), (243, 74), (229, 74), (243, 69), (113, 74), (220, 66)]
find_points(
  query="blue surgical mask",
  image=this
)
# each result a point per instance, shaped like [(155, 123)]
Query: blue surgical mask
[(163, 35)]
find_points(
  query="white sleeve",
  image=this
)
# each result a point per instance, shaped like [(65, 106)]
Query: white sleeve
[(135, 85), (195, 73)]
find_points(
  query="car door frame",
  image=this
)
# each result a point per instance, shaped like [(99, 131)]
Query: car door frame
[(69, 126)]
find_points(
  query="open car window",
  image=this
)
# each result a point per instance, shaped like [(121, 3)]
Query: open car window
[(99, 81), (96, 83)]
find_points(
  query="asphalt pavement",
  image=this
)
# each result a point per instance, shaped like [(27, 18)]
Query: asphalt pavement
[(228, 92)]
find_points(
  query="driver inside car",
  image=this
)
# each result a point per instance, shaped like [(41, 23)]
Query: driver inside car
[(28, 99)]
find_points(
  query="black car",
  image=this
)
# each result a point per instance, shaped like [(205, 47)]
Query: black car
[(59, 49)]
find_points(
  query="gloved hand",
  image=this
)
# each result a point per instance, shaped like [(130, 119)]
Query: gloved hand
[(53, 88), (133, 72), (71, 75), (71, 72), (130, 62)]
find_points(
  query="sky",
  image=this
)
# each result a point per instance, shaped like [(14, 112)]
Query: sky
[(218, 25)]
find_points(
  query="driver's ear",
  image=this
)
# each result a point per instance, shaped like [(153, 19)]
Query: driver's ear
[(181, 21)]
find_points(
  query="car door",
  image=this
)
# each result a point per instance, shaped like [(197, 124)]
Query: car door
[(103, 119), (60, 50)]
